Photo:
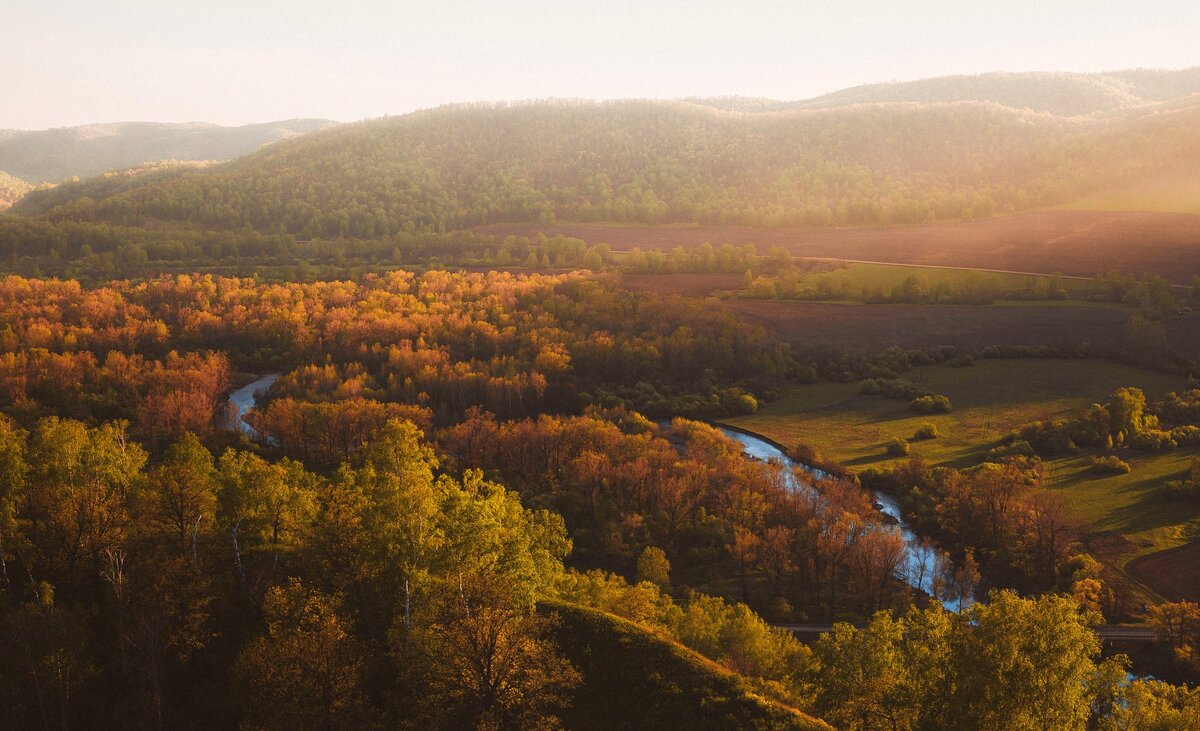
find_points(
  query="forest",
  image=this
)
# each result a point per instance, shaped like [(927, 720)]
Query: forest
[(453, 168), (452, 477), (500, 476)]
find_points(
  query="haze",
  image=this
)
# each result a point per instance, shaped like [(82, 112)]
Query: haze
[(74, 62)]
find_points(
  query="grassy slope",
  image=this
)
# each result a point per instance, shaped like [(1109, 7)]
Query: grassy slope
[(635, 679), (992, 398)]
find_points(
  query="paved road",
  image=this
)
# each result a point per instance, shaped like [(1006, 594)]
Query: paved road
[(1107, 632)]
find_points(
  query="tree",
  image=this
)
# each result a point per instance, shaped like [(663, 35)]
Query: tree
[(1027, 663), (1127, 411), (183, 490), (652, 566), (489, 660), (13, 469), (306, 670)]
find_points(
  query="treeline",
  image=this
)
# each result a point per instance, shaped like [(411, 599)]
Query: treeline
[(646, 162), (1128, 420), (99, 252), (1153, 296)]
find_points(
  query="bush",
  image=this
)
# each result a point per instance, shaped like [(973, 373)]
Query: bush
[(1152, 440), (805, 454), (1010, 448), (936, 404), (1110, 465), (928, 430), (898, 448), (1181, 490), (1186, 436)]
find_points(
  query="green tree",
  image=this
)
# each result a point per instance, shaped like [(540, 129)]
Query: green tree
[(653, 566), (183, 490)]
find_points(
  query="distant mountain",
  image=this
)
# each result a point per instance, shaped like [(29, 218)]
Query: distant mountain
[(11, 189), (1064, 94), (49, 156)]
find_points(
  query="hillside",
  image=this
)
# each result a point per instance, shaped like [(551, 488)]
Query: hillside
[(48, 156), (1063, 94), (646, 162), (11, 189), (633, 679)]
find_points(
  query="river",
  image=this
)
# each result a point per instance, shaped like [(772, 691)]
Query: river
[(918, 570), (243, 399)]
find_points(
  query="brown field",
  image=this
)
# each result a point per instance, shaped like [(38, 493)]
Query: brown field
[(1174, 573), (874, 327), (867, 328), (687, 285), (1078, 243)]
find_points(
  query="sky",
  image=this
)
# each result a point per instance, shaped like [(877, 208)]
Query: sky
[(70, 62)]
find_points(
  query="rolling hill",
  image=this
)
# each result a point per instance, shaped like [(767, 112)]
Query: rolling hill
[(48, 156), (647, 162), (1064, 94)]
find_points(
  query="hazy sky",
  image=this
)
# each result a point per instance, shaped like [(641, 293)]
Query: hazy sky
[(67, 62)]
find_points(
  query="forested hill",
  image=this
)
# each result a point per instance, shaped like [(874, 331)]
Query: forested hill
[(648, 162), (1064, 94), (11, 189), (48, 156)]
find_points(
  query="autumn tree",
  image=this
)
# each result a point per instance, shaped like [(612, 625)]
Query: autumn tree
[(306, 670), (489, 659)]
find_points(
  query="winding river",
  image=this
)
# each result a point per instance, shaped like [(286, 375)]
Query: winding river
[(242, 400), (918, 570)]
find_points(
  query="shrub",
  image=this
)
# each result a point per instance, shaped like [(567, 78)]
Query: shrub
[(1152, 440), (1181, 490), (1011, 447), (898, 447), (928, 430), (1110, 465), (805, 454), (935, 404), (1186, 436)]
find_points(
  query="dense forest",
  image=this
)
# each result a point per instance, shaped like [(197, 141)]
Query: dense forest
[(451, 488), (650, 162)]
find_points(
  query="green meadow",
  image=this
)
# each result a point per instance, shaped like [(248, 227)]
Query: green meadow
[(991, 399)]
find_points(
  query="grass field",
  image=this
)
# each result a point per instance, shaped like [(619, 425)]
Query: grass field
[(991, 398), (855, 276)]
